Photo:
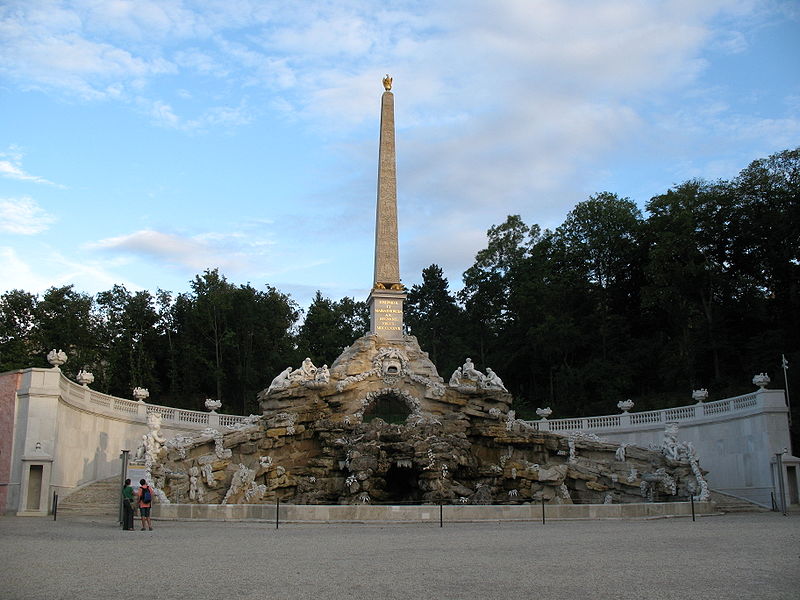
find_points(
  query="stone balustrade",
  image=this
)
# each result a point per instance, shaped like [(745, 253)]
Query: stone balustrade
[(695, 413), (87, 399)]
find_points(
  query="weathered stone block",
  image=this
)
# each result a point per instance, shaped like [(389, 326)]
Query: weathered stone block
[(596, 486), (556, 473)]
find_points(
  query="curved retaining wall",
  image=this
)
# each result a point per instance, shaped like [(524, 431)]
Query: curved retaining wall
[(66, 435), (58, 435)]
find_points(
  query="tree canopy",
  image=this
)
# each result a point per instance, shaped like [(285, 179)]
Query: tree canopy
[(701, 288)]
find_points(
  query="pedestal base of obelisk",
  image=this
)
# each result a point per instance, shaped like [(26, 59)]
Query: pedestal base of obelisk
[(386, 313)]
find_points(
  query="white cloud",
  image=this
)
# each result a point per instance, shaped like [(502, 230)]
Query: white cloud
[(91, 70), (11, 168), (23, 216), (164, 115), (45, 267), (15, 273), (502, 107), (169, 248)]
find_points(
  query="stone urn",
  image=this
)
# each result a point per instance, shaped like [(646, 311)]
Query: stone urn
[(84, 378), (140, 394), (625, 405), (544, 412), (761, 380), (700, 396), (56, 358), (213, 405)]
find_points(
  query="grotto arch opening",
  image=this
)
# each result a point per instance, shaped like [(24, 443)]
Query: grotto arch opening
[(389, 407)]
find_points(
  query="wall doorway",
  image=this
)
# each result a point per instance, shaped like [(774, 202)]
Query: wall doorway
[(35, 478)]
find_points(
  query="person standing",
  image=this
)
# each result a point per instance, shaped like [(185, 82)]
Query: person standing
[(127, 506), (145, 498)]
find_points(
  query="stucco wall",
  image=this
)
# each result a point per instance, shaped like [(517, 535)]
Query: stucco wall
[(76, 432)]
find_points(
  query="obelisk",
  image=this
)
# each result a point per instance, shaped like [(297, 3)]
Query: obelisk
[(387, 295)]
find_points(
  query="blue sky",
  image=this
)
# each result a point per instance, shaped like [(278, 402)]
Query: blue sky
[(142, 142)]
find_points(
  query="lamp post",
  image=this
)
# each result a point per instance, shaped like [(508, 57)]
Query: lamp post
[(779, 463), (124, 455), (785, 365)]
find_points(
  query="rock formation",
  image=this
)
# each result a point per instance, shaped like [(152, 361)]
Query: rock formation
[(381, 426)]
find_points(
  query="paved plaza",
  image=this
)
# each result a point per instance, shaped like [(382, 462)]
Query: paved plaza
[(731, 556)]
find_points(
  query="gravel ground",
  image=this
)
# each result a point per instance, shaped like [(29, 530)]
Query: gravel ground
[(733, 556)]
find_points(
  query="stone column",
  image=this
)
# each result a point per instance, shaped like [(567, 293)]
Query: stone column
[(387, 295), (387, 261)]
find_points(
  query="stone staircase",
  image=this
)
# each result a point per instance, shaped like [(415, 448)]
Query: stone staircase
[(100, 498), (732, 504)]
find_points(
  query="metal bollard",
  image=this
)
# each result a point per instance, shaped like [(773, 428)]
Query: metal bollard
[(441, 518), (542, 510), (691, 497), (55, 505), (277, 511)]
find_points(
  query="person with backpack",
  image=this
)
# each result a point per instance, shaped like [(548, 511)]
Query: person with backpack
[(145, 497), (127, 506)]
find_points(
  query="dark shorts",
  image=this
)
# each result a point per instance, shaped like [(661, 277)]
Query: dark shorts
[(144, 511)]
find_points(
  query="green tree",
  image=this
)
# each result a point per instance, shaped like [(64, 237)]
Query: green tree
[(66, 320), (488, 282), (330, 326), (130, 341), (436, 319), (17, 326)]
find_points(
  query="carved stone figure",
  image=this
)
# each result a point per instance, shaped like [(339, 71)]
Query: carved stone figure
[(306, 372), (195, 486), (468, 371), (572, 451), (390, 361), (56, 358), (455, 378), (492, 381), (323, 375), (620, 453), (84, 378), (281, 381), (154, 440), (308, 369), (670, 446), (625, 405), (761, 380), (241, 479)]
